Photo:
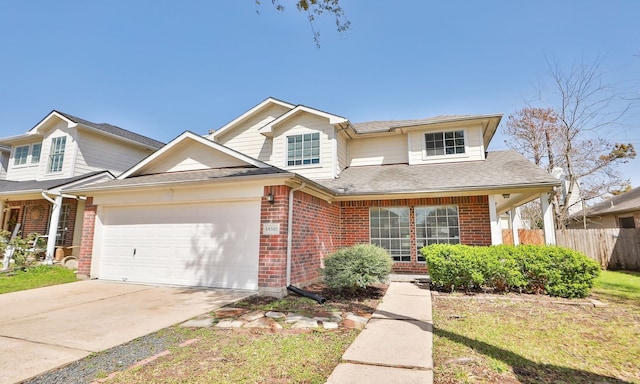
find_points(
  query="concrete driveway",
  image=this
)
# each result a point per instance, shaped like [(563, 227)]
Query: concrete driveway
[(42, 329)]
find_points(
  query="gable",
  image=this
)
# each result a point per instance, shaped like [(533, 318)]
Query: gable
[(244, 135), (190, 156)]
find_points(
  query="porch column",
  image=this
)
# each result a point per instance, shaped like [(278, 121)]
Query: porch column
[(547, 219), (53, 230), (514, 217), (496, 230)]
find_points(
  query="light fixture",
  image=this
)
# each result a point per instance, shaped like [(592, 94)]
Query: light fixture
[(506, 195), (270, 198)]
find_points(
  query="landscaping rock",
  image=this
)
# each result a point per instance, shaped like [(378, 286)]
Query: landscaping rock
[(329, 325), (294, 317), (230, 323), (224, 313), (263, 322), (252, 316), (305, 323), (275, 315)]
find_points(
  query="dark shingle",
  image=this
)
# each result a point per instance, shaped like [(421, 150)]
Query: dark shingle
[(501, 169), (112, 129)]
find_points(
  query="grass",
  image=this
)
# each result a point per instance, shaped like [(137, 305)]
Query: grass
[(620, 287), (506, 341), (245, 355), (36, 277), (227, 356)]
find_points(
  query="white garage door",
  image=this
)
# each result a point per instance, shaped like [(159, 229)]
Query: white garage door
[(206, 244)]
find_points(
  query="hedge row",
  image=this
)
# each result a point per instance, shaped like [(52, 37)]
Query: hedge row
[(555, 271)]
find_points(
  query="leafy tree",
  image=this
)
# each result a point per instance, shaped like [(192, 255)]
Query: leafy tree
[(568, 136), (315, 9)]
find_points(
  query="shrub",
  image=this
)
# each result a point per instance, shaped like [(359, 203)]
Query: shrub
[(356, 267), (552, 270)]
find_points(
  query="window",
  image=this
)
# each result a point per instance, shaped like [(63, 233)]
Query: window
[(63, 224), (627, 222), (303, 149), (444, 143), (20, 155), (436, 225), (57, 154), (35, 153), (390, 229)]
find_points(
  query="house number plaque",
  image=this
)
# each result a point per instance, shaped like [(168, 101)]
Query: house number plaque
[(271, 228)]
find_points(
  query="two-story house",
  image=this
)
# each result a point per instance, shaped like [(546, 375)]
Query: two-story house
[(61, 151), (258, 203)]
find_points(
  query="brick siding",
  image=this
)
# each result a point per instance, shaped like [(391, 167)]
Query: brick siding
[(86, 243)]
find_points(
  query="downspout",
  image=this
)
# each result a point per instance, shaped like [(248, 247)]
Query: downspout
[(290, 231)]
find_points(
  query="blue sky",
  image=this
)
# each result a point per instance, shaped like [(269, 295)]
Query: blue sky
[(162, 67)]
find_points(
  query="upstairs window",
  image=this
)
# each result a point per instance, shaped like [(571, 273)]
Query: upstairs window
[(444, 143), (35, 153), (303, 149), (20, 155), (57, 154)]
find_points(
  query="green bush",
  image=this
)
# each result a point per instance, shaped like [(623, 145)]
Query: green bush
[(356, 267), (552, 270)]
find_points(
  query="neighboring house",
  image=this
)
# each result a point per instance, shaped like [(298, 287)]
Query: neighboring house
[(259, 203), (61, 151), (621, 211)]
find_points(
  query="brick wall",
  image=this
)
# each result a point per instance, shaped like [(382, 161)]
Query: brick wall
[(316, 233), (34, 217), (473, 212), (86, 243), (272, 259)]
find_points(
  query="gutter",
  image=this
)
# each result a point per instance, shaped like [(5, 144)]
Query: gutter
[(290, 231)]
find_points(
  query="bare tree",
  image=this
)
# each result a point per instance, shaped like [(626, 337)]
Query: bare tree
[(571, 135), (317, 8)]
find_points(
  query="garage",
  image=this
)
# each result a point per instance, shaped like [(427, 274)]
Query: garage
[(205, 244)]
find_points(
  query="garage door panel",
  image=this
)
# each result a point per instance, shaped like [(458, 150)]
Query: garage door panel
[(214, 244)]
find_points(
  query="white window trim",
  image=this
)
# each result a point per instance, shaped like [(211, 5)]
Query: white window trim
[(28, 163), (415, 224), (400, 238), (440, 157), (64, 152), (302, 166)]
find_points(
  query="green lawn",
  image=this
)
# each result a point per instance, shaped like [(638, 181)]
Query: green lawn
[(36, 277), (509, 341), (619, 286)]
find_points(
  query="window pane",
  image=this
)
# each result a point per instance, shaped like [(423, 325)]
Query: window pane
[(20, 156), (389, 229), (303, 149), (35, 153), (444, 143), (440, 225)]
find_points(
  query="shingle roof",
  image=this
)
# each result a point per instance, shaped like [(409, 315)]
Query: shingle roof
[(625, 202), (384, 126), (185, 177), (501, 169), (112, 129), (11, 186)]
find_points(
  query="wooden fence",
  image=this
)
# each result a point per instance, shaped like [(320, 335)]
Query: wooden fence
[(613, 248)]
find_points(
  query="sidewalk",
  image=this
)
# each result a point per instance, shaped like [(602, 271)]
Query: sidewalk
[(396, 345)]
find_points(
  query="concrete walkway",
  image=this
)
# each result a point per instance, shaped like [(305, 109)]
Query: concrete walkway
[(396, 345), (45, 328)]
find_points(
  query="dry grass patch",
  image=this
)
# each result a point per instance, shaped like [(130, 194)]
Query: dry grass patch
[(255, 355), (499, 340)]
